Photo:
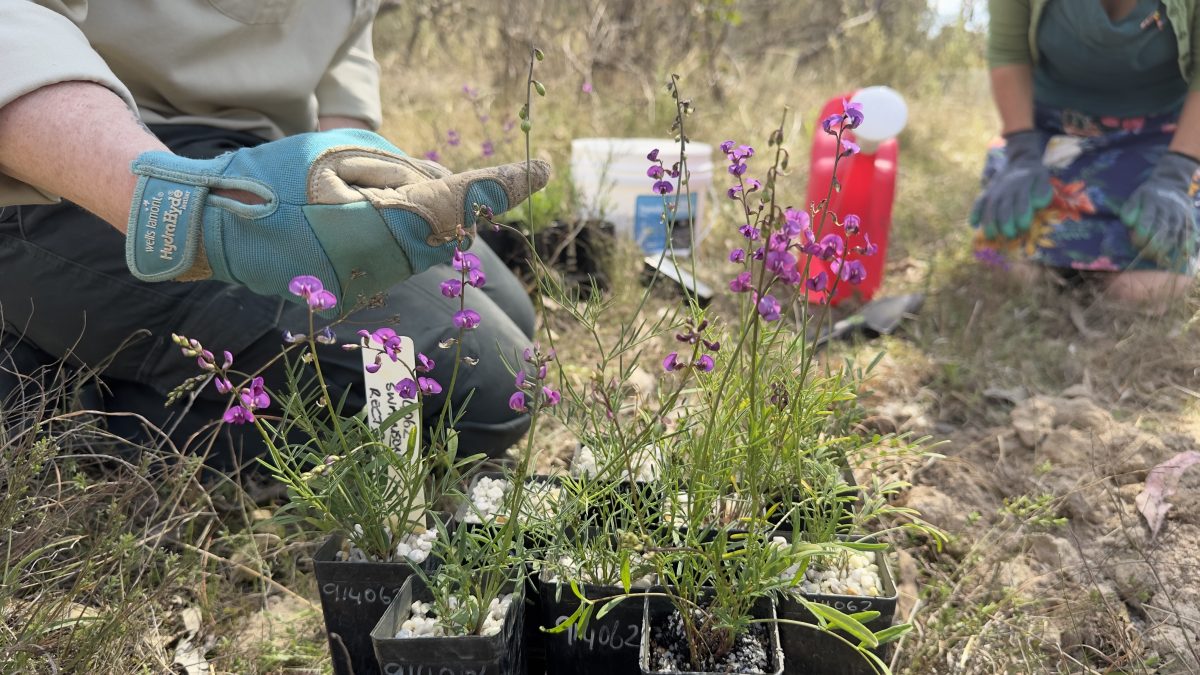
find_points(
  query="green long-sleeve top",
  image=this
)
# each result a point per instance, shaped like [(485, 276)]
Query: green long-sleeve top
[(1069, 44)]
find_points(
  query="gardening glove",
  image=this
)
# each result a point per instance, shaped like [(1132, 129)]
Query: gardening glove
[(1005, 209), (339, 205), (1161, 215)]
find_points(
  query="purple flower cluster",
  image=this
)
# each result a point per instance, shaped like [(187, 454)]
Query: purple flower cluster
[(390, 344), (660, 174), (313, 291), (470, 270), (700, 361), (774, 261), (532, 391), (250, 399)]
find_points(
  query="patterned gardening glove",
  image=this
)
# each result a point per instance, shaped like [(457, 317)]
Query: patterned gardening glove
[(1161, 215), (1005, 209), (339, 204)]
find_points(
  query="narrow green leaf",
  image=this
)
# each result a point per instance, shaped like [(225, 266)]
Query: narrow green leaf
[(844, 621), (892, 632), (608, 606)]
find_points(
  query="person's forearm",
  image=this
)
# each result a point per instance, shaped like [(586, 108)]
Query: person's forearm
[(1012, 89), (327, 122), (1187, 135), (75, 140)]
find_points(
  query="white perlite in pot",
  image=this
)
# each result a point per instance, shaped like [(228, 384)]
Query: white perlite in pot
[(421, 623), (586, 464), (415, 546), (488, 494), (850, 573)]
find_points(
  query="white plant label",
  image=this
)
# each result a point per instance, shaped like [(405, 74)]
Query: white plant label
[(383, 400)]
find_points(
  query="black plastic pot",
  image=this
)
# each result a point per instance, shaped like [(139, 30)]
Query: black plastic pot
[(500, 654), (609, 645), (651, 616), (353, 597), (576, 249), (807, 650)]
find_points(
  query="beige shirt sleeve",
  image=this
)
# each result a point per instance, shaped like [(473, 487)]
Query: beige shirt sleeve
[(350, 87), (42, 46)]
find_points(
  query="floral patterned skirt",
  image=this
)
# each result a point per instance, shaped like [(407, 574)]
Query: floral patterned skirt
[(1095, 165)]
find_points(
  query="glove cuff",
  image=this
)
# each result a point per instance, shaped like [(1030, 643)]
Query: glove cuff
[(162, 239), (1029, 144), (1175, 169)]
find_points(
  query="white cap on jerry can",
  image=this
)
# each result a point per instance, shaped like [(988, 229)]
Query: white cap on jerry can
[(884, 116)]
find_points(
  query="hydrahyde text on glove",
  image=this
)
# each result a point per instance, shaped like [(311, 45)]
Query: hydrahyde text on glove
[(345, 206)]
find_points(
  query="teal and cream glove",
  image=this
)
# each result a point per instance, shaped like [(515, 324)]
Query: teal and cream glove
[(345, 206)]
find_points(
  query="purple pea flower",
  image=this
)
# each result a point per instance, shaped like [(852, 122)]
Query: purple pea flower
[(305, 285), (853, 272), (453, 138), (407, 388), (553, 397), (322, 299), (663, 187), (749, 232), (705, 363), (795, 222), (780, 262), (734, 191), (852, 223), (433, 156), (741, 283), (655, 171), (849, 148), (818, 283), (752, 185), (452, 288), (464, 260), (831, 246), (429, 386), (758, 253), (255, 396), (830, 124), (737, 169), (424, 364), (672, 363), (741, 153), (853, 111), (768, 308), (517, 402), (467, 319), (737, 255), (779, 241), (726, 147), (653, 155), (871, 248), (487, 149), (238, 415), (223, 385), (476, 278)]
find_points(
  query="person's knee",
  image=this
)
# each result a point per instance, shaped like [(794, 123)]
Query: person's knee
[(1149, 291)]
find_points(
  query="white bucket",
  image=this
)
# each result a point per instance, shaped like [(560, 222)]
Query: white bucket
[(611, 184)]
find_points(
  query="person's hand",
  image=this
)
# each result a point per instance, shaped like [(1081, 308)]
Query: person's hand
[(1161, 215), (1005, 209), (345, 206)]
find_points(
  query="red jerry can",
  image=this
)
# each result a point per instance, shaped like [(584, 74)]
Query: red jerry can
[(868, 188)]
